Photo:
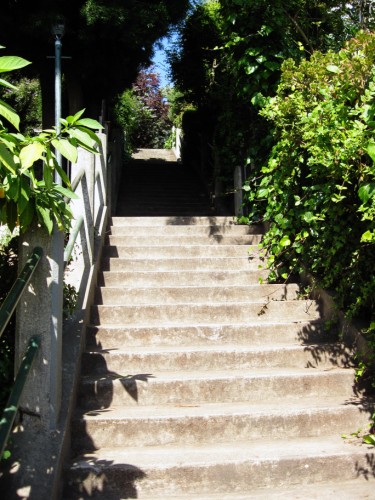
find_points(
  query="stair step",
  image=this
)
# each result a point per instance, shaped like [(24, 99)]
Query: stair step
[(245, 465), (216, 357), (188, 278), (173, 221), (195, 294), (181, 264), (179, 230), (212, 313), (359, 488), (176, 251), (217, 423), (250, 334), (195, 387), (215, 239)]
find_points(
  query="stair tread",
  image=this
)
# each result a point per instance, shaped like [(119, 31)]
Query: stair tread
[(229, 374), (163, 457), (295, 406), (335, 348), (345, 490)]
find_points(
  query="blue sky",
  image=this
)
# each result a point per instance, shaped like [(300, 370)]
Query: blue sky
[(160, 62)]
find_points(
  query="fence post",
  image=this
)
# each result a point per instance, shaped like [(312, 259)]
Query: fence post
[(86, 194), (40, 313)]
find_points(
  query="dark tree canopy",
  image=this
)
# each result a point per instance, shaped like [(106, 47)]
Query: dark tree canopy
[(108, 40)]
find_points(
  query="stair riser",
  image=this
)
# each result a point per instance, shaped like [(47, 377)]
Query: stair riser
[(151, 241), (213, 429), (129, 481), (122, 296), (188, 278), (129, 391), (178, 231), (181, 265), (192, 251), (173, 221), (122, 337), (101, 363), (188, 314)]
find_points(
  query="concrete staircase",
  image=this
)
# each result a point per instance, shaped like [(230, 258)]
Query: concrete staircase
[(200, 383)]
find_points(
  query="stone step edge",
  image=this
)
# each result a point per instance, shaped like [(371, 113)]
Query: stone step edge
[(217, 349), (195, 326), (295, 406), (354, 489), (166, 456), (165, 376)]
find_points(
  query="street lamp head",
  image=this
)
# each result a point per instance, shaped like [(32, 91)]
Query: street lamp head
[(58, 29)]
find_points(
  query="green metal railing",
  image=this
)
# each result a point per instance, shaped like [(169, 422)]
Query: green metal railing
[(6, 310)]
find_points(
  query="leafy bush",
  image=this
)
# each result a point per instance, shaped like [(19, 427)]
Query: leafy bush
[(318, 188), (142, 112)]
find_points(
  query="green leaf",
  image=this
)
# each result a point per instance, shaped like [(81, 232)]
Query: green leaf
[(308, 217), (9, 85), (263, 193), (368, 237), (66, 149), (74, 118), (332, 68), (6, 158), (89, 123), (285, 241), (371, 150), (66, 192), (82, 137), (366, 192), (27, 217), (30, 154), (9, 114), (44, 217), (369, 439), (63, 175), (11, 63)]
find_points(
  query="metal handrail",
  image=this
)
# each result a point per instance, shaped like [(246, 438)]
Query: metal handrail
[(11, 408), (6, 310), (10, 303)]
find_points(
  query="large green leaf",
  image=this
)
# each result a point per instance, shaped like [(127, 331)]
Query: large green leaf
[(10, 63), (8, 112), (66, 149), (83, 137), (89, 123), (30, 154), (6, 158), (44, 216), (66, 192)]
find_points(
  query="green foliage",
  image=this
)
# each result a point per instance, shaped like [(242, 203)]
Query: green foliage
[(25, 98), (317, 189), (142, 111), (70, 300), (28, 164)]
